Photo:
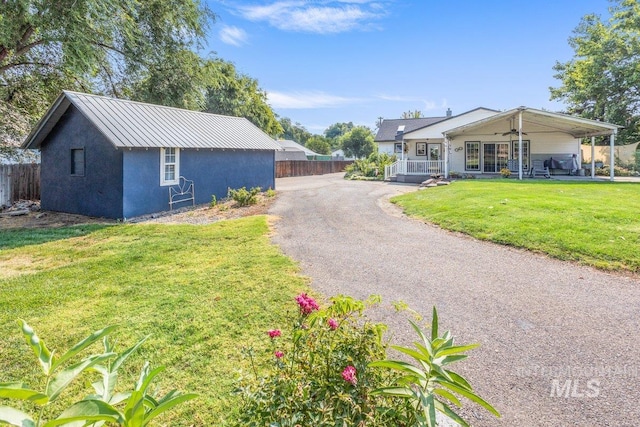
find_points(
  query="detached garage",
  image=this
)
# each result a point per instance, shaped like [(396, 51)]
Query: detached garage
[(115, 158)]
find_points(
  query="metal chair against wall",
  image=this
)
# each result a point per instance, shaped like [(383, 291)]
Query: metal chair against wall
[(183, 193), (538, 168)]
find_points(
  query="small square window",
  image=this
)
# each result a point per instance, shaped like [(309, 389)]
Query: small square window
[(77, 161)]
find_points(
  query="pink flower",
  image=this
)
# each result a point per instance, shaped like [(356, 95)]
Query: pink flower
[(349, 375), (333, 324), (306, 303), (274, 333), (279, 354)]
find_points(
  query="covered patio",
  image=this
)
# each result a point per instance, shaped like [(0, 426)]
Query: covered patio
[(536, 126)]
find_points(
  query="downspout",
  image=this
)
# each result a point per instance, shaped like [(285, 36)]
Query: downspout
[(612, 140), (520, 145), (593, 157)]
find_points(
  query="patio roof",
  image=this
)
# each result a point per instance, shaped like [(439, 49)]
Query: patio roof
[(540, 121)]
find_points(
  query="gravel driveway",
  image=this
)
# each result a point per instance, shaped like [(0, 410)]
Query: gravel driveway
[(547, 327)]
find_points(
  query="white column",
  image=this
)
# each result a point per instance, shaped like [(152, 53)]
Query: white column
[(520, 145), (612, 160), (446, 157), (593, 157)]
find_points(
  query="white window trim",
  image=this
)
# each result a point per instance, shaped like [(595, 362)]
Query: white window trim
[(175, 181)]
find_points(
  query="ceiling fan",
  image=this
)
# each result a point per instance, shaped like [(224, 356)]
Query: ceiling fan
[(513, 130)]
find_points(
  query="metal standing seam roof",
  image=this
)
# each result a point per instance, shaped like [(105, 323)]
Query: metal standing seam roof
[(129, 124)]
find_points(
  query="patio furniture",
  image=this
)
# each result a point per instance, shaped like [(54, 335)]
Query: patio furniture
[(539, 168)]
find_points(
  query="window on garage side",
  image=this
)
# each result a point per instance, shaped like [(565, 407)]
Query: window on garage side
[(77, 161), (169, 166)]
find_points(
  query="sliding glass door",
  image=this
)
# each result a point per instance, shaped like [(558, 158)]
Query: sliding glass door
[(494, 156)]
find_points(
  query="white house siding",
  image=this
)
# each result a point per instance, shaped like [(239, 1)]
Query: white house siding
[(385, 147)]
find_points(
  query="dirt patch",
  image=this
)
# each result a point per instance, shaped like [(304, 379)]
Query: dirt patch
[(201, 214)]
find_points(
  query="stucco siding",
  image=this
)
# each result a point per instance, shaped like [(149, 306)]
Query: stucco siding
[(96, 192), (212, 172)]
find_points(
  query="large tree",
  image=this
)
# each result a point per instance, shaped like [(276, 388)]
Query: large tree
[(334, 132), (99, 46), (231, 93), (319, 144), (358, 142), (294, 131), (602, 80)]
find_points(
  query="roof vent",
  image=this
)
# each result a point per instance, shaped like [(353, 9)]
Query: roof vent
[(449, 113)]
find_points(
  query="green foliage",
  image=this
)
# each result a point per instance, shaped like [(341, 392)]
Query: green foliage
[(294, 132), (334, 132), (231, 93), (319, 144), (214, 201), (505, 172), (270, 192), (617, 171), (429, 387), (317, 371), (372, 167), (601, 80), (412, 114), (358, 142), (244, 197), (579, 221), (139, 406)]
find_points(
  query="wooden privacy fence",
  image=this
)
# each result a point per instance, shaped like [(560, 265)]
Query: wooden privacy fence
[(19, 182), (286, 168)]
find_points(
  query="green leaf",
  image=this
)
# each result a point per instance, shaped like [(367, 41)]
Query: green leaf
[(430, 410), (405, 392), (449, 396), (166, 404), (88, 410), (451, 359), (82, 345), (415, 354), (63, 378), (456, 349), (15, 417), (398, 366), (446, 410), (39, 348), (21, 392), (124, 355), (459, 380), (471, 396), (418, 330), (134, 409), (434, 324)]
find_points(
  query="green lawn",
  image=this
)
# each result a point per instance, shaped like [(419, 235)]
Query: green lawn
[(203, 292), (593, 223)]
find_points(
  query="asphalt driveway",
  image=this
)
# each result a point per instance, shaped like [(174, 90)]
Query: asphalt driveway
[(559, 341)]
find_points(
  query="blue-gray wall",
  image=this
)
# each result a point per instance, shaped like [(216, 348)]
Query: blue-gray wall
[(213, 172), (99, 191)]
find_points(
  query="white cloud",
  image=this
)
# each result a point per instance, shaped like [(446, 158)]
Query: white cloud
[(327, 17), (427, 105), (307, 99), (233, 35)]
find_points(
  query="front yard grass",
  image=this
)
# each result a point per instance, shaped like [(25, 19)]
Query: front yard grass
[(202, 292), (594, 223)]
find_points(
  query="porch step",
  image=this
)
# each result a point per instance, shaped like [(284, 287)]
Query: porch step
[(412, 179)]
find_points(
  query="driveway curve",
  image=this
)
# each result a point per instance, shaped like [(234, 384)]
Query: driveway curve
[(559, 341)]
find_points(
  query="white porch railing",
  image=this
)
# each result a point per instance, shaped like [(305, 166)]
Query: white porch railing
[(414, 167)]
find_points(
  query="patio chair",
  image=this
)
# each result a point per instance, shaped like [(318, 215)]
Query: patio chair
[(539, 168)]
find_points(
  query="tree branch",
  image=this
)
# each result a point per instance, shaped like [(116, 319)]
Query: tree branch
[(23, 64)]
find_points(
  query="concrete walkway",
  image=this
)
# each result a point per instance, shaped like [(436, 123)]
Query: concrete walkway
[(559, 341)]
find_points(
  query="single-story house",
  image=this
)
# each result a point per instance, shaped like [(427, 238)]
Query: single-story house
[(485, 141), (115, 158)]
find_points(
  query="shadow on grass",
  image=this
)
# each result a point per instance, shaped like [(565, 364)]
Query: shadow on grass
[(16, 238)]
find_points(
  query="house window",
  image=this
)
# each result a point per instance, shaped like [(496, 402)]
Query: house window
[(169, 166), (77, 161), (397, 147), (472, 156), (434, 151), (421, 148), (525, 153)]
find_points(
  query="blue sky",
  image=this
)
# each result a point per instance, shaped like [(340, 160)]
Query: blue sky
[(323, 61)]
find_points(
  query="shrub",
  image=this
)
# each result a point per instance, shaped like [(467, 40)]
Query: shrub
[(370, 168), (506, 173), (317, 374), (428, 387), (244, 197), (214, 201), (270, 192)]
